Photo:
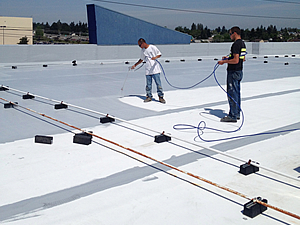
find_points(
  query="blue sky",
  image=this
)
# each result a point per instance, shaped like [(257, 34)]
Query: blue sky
[(75, 10)]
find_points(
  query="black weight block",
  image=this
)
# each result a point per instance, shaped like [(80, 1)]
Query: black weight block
[(27, 96), (82, 138), (3, 88), (106, 119), (60, 106), (248, 169), (262, 207), (9, 105), (252, 209), (161, 138), (43, 139)]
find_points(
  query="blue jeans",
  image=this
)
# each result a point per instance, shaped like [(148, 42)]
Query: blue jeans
[(156, 78), (234, 91)]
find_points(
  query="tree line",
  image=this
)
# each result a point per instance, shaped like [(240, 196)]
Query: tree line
[(60, 33), (197, 31), (61, 28), (271, 33)]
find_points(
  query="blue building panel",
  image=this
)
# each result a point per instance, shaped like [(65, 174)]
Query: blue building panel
[(107, 27), (92, 24)]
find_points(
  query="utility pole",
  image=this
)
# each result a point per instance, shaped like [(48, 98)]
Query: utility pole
[(3, 32)]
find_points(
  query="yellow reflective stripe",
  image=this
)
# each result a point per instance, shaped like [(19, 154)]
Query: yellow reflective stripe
[(243, 53)]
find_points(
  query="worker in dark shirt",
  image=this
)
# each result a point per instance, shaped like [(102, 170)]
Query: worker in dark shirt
[(234, 74)]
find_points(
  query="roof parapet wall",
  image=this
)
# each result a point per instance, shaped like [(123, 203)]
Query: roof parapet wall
[(54, 53)]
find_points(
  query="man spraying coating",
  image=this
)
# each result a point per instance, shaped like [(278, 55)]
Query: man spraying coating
[(149, 54)]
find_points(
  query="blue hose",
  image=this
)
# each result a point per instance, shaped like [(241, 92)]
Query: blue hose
[(202, 125), (215, 68)]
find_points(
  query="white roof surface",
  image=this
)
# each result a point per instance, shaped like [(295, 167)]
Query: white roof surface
[(102, 183)]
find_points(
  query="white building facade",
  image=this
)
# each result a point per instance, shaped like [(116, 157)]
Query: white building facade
[(12, 29)]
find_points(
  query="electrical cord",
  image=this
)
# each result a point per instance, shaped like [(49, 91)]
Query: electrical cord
[(6, 88)]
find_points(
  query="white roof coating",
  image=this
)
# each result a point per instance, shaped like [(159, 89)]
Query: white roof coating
[(124, 177)]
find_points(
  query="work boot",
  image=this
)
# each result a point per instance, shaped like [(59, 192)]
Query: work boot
[(161, 99), (228, 119), (148, 99)]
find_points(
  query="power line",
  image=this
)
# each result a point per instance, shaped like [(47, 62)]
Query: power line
[(16, 29), (282, 1), (198, 11), (12, 27)]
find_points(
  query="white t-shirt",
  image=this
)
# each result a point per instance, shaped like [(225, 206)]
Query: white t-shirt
[(151, 66)]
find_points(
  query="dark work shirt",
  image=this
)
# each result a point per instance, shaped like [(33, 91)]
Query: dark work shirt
[(236, 48)]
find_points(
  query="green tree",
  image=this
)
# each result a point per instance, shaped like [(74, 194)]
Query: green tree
[(218, 38), (39, 33), (200, 26), (224, 31), (23, 41), (193, 27), (180, 29)]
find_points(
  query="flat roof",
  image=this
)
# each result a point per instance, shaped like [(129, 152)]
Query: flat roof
[(108, 183)]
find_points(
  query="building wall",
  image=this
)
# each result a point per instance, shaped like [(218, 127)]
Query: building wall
[(57, 53), (107, 27), (272, 48), (14, 28)]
